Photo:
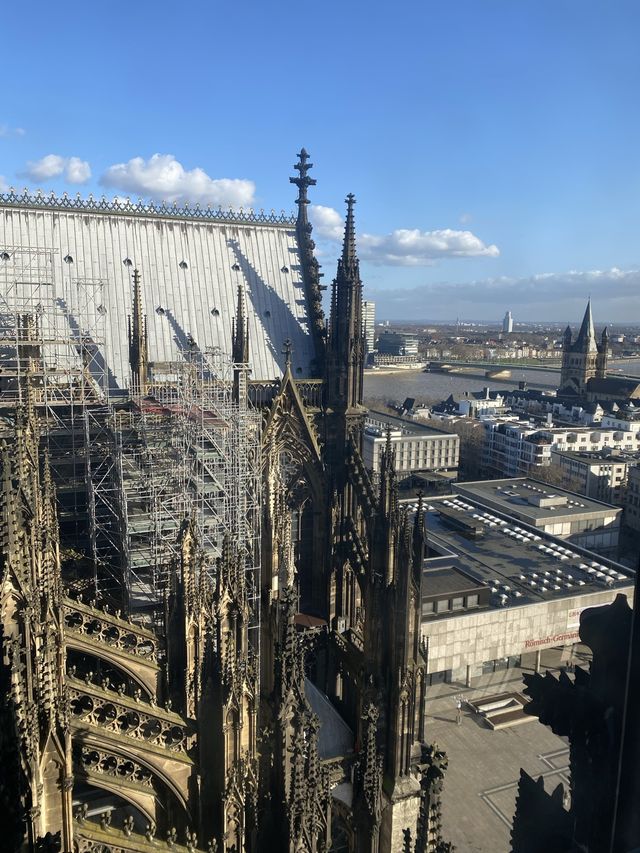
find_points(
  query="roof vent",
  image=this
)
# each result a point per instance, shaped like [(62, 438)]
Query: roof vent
[(5, 256), (284, 269), (128, 262), (215, 312), (236, 267), (160, 311), (183, 265), (68, 259)]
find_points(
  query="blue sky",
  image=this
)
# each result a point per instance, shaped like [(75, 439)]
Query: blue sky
[(493, 145)]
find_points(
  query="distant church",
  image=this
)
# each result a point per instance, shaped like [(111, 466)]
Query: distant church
[(583, 359), (584, 366)]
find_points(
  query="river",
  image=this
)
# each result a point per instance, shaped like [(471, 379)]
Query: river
[(381, 387)]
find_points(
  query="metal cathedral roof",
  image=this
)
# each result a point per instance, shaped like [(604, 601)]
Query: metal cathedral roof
[(191, 262)]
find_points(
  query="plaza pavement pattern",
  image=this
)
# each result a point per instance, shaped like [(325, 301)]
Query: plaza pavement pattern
[(481, 783)]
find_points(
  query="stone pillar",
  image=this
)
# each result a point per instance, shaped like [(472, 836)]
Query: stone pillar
[(537, 667), (468, 678)]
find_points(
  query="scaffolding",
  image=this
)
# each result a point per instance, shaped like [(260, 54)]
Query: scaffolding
[(191, 449), (153, 498), (52, 332), (129, 472)]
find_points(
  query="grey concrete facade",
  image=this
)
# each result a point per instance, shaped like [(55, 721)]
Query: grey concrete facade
[(462, 643)]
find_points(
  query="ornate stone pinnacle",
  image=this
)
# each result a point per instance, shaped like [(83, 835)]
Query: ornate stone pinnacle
[(349, 244), (303, 182)]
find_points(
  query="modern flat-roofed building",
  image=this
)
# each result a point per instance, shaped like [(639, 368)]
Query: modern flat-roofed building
[(417, 447), (512, 448), (602, 438), (598, 474), (575, 518), (517, 447), (368, 325), (398, 344), (497, 592)]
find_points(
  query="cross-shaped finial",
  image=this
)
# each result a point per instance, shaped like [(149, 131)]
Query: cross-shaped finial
[(288, 349), (303, 181)]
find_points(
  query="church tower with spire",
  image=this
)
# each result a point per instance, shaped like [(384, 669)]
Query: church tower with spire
[(583, 359)]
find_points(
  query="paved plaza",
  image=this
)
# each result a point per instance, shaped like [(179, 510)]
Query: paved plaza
[(480, 785)]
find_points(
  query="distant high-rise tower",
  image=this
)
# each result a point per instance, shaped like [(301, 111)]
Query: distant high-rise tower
[(368, 325), (585, 358), (507, 324)]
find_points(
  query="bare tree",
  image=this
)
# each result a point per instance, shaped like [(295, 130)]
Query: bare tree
[(472, 442), (554, 475)]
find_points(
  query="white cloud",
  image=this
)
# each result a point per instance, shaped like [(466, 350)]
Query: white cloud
[(6, 131), (560, 295), (404, 246), (412, 247), (75, 170), (327, 223), (465, 218), (50, 166), (164, 177)]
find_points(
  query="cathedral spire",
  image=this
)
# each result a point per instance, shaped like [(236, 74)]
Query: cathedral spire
[(586, 336), (303, 182), (349, 243), (345, 355), (138, 349)]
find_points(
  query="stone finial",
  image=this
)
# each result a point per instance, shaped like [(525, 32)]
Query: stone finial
[(303, 182)]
